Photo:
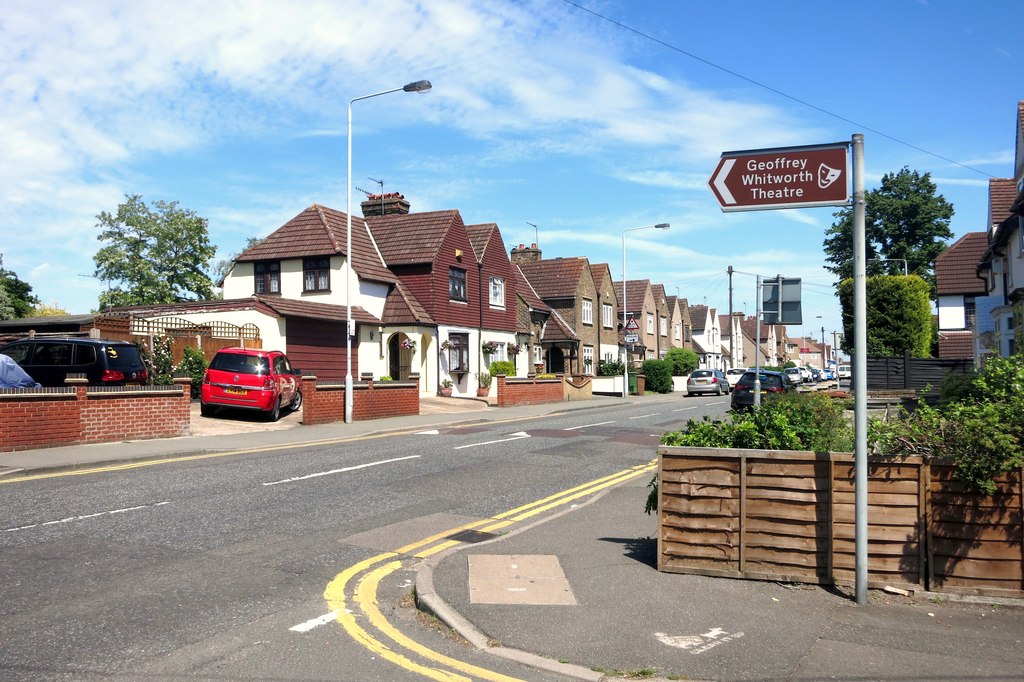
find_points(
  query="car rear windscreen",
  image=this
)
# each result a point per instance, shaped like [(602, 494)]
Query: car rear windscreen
[(242, 364)]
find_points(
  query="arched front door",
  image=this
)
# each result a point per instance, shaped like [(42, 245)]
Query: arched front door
[(399, 358), (556, 360)]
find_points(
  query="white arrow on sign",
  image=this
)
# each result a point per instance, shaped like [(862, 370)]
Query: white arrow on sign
[(720, 185)]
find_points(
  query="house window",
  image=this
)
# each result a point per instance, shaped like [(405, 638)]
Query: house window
[(970, 313), (456, 284), (650, 324), (606, 315), (588, 359), (268, 277), (664, 326), (458, 352), (497, 292), (538, 355), (588, 311), (676, 332), (316, 274)]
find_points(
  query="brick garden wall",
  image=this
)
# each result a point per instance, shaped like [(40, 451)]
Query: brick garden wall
[(325, 403), (38, 418), (529, 391)]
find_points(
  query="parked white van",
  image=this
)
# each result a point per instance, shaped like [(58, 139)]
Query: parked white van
[(844, 372)]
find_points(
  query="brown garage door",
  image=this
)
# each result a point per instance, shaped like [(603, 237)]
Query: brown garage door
[(318, 348)]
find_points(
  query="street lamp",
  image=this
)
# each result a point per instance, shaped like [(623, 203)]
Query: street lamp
[(625, 346), (417, 86)]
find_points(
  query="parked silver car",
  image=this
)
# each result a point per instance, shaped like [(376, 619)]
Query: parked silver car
[(704, 381)]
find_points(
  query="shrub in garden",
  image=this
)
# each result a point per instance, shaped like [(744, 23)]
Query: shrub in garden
[(683, 361), (609, 368), (506, 367), (658, 375), (193, 364)]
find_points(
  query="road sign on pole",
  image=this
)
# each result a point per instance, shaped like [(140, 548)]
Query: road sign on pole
[(784, 177), (631, 325)]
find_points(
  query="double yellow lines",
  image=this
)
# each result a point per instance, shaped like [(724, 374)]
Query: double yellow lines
[(365, 576)]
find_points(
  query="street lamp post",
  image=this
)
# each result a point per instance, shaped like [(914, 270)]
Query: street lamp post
[(417, 86), (625, 346)]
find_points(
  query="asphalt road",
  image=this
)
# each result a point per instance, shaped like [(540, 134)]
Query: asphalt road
[(217, 568)]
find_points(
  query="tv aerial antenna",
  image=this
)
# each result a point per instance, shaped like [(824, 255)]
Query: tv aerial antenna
[(370, 194)]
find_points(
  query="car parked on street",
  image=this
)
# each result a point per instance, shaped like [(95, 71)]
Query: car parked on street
[(251, 379), (105, 362), (703, 381), (772, 383), (844, 372), (733, 374), (794, 374)]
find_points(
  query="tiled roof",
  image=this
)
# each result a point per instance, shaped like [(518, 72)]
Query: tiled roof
[(557, 329), (636, 293), (1002, 192), (479, 236), (749, 327), (658, 291), (290, 307), (320, 231), (555, 277), (959, 344), (598, 271), (401, 307), (956, 267), (699, 317), (526, 292), (414, 238)]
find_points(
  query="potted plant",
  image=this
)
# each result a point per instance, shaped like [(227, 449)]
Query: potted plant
[(483, 384), (489, 347), (446, 388), (409, 344), (514, 349)]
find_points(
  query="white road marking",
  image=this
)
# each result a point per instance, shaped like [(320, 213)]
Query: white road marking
[(85, 516), (433, 432), (314, 622), (684, 409), (587, 426), (652, 414), (698, 644), (342, 470), (515, 436), (719, 402)]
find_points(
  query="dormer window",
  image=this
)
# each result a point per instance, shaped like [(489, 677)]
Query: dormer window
[(267, 277), (316, 274)]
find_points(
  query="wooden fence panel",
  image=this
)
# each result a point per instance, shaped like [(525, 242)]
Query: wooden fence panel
[(790, 516)]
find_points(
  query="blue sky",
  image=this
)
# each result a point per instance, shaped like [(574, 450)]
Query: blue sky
[(541, 112)]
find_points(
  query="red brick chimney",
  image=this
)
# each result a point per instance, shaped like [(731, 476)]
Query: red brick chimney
[(391, 203), (522, 254)]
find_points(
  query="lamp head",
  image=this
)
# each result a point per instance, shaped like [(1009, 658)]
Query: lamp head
[(661, 226), (418, 86)]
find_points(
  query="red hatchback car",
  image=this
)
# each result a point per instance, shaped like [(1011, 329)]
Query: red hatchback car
[(251, 379)]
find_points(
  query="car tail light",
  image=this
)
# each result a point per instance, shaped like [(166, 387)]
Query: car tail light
[(714, 380), (206, 377), (112, 375), (268, 384)]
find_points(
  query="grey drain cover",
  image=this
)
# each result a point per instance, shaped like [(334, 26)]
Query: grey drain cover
[(471, 536)]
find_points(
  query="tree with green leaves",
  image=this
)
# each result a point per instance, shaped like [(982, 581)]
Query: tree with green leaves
[(16, 299), (899, 316), (904, 219), (151, 256)]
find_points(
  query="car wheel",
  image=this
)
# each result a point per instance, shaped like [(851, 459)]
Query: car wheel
[(275, 412), (719, 390), (206, 410), (296, 401)]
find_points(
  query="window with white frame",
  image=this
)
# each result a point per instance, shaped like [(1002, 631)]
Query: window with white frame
[(538, 355), (664, 326), (606, 315), (588, 311), (497, 292), (677, 331), (650, 324), (588, 359)]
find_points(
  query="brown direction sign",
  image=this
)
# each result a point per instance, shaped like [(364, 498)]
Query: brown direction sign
[(786, 177)]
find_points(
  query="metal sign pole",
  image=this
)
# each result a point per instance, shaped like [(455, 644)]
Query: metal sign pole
[(860, 374)]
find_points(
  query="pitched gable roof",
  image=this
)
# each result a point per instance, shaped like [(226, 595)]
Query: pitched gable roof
[(321, 231), (598, 271), (526, 292), (956, 267), (699, 317), (401, 307), (1002, 192), (636, 294), (480, 236), (414, 238), (557, 329), (555, 277)]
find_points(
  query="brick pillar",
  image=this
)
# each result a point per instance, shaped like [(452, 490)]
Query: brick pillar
[(309, 399)]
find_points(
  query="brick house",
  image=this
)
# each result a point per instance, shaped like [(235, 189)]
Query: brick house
[(707, 336), (958, 288), (532, 316), (608, 341), (676, 323), (567, 286), (662, 339), (640, 306)]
